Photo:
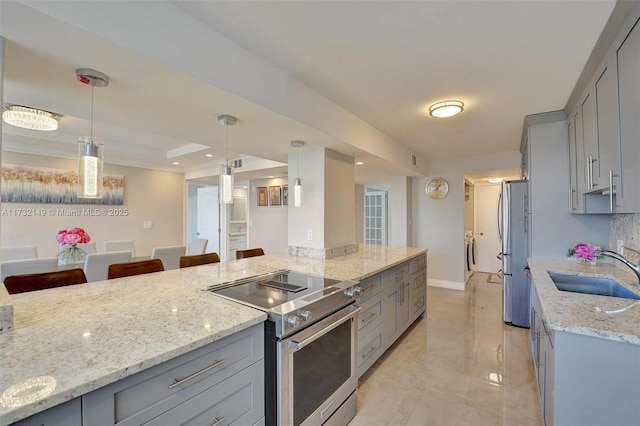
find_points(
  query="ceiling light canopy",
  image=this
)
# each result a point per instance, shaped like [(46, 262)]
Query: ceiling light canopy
[(30, 118), (446, 109)]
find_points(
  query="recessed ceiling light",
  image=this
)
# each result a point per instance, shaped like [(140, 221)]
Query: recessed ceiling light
[(495, 180), (446, 109), (208, 155), (30, 118), (359, 163), (175, 163)]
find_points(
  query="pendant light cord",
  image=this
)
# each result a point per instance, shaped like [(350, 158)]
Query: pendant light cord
[(227, 126), (298, 161), (91, 134)]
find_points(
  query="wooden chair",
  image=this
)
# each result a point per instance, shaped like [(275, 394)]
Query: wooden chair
[(198, 246), (241, 254), (199, 259), (18, 253), (170, 256), (30, 282), (127, 269)]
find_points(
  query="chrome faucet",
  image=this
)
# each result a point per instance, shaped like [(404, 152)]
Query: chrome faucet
[(621, 258)]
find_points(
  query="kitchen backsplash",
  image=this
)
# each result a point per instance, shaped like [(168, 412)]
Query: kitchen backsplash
[(625, 227)]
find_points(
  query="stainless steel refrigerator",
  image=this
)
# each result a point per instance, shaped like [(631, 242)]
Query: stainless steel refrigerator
[(513, 230)]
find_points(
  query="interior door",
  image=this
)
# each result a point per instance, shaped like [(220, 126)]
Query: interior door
[(487, 242), (208, 217)]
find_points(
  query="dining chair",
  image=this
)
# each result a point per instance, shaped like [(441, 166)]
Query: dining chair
[(18, 253), (22, 283), (127, 269), (198, 259), (170, 256), (198, 246), (241, 254), (96, 265), (120, 245), (28, 266)]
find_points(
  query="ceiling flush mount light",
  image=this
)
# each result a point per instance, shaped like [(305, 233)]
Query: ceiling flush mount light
[(446, 109), (359, 163), (495, 180), (30, 118), (297, 182), (90, 151), (226, 171)]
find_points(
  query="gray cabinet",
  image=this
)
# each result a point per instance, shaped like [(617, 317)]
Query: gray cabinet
[(584, 380), (628, 68), (389, 303), (196, 379), (67, 414)]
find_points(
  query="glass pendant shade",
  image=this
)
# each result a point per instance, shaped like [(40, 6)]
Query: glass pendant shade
[(226, 185), (297, 192), (90, 162)]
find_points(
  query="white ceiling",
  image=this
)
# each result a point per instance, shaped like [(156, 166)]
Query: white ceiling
[(385, 62)]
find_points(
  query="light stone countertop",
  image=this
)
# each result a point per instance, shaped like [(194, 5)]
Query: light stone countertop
[(576, 312), (82, 337)]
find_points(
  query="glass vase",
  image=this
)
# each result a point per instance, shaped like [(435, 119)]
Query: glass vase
[(71, 256)]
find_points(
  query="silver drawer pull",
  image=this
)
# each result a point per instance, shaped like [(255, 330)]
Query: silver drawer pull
[(178, 382), (218, 420), (370, 317), (368, 354)]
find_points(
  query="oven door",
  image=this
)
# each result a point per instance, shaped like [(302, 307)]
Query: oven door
[(317, 369)]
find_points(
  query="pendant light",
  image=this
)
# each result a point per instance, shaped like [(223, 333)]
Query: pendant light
[(90, 151), (30, 118), (297, 182), (226, 171)]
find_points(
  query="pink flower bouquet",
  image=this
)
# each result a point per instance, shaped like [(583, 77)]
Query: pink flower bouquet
[(584, 251), (73, 236)]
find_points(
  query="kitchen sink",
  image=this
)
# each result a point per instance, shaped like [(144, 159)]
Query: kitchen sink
[(591, 285)]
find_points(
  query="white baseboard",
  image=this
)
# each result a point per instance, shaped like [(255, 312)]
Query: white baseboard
[(453, 285)]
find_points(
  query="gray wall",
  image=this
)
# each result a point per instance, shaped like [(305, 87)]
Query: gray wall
[(268, 224)]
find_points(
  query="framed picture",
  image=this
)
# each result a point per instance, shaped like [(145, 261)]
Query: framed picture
[(275, 196), (285, 195), (262, 196)]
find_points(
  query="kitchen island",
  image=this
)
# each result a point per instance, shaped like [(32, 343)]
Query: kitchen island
[(85, 337), (585, 348)]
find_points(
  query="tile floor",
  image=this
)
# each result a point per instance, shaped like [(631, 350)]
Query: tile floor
[(458, 366)]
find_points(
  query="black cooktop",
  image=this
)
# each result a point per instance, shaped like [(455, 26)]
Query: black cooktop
[(274, 290)]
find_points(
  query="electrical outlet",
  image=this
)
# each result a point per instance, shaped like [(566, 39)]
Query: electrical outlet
[(310, 234), (620, 247)]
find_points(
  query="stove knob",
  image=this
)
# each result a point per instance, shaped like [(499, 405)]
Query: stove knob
[(293, 321), (305, 315), (354, 291)]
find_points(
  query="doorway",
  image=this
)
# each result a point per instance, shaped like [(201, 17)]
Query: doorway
[(375, 216), (487, 242)]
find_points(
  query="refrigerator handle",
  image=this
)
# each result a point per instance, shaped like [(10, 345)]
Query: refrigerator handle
[(527, 272), (526, 212), (499, 216)]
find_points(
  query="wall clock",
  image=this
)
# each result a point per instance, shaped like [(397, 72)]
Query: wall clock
[(437, 188)]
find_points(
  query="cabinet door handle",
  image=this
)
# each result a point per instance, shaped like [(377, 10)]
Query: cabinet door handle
[(218, 420), (611, 187), (178, 382)]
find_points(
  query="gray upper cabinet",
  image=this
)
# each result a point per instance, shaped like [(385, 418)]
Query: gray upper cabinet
[(628, 67), (604, 131)]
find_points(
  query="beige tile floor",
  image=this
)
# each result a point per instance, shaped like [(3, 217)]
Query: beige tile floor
[(458, 366)]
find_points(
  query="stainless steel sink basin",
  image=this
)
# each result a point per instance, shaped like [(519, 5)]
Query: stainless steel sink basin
[(591, 285)]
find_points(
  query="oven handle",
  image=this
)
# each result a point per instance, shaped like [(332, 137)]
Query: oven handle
[(305, 337)]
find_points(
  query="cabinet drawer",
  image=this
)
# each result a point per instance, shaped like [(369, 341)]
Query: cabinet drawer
[(417, 281), (67, 414), (370, 347), (236, 400), (418, 265), (370, 315), (370, 286), (418, 301), (145, 395)]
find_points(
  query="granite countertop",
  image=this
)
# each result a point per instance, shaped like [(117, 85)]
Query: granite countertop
[(584, 313), (79, 338)]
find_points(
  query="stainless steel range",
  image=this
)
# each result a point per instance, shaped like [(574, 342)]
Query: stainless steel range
[(310, 341)]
